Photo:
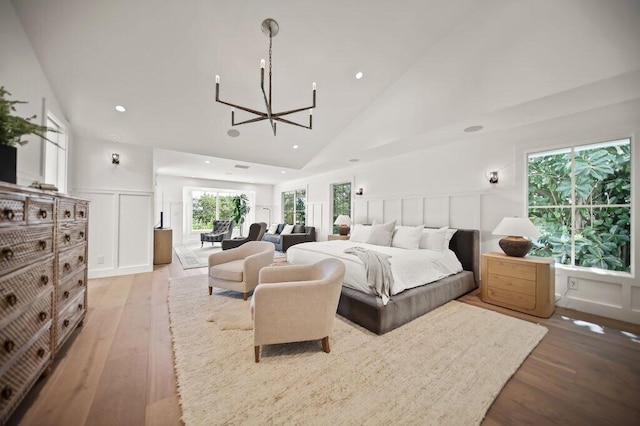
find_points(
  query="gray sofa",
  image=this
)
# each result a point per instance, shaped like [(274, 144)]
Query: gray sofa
[(300, 234)]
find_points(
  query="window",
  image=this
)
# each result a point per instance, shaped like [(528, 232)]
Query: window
[(208, 205), (55, 154), (341, 196), (294, 205), (580, 199)]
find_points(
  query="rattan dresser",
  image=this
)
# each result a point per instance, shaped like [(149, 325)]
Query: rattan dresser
[(43, 275)]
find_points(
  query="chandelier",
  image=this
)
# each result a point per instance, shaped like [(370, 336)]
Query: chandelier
[(269, 27)]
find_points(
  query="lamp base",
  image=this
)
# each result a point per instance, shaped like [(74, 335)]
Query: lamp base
[(344, 230), (515, 246)]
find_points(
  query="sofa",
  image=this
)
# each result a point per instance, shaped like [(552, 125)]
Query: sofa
[(300, 234)]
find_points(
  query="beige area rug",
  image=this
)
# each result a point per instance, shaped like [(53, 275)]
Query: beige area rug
[(444, 368), (193, 256)]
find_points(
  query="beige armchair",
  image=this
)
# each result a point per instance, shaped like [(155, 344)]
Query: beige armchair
[(237, 269), (296, 303)]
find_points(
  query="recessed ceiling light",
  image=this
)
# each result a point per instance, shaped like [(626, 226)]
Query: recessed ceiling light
[(114, 137), (120, 108), (359, 75), (192, 176), (207, 162), (282, 171), (473, 129), (295, 147), (354, 160), (233, 133), (228, 173)]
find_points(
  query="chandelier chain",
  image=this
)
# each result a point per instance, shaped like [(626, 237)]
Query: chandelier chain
[(270, 46)]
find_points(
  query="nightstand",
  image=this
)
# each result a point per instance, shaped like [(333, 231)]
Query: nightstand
[(337, 237), (524, 284)]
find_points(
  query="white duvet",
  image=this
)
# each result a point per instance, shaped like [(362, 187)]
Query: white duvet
[(410, 268)]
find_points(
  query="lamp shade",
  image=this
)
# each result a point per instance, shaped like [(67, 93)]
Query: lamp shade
[(517, 227), (343, 219)]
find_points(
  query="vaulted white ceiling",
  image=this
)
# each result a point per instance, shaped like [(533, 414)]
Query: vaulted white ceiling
[(431, 68)]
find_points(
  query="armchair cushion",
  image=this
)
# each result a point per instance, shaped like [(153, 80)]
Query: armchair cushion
[(230, 271)]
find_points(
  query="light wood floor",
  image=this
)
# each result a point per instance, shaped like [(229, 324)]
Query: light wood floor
[(118, 368)]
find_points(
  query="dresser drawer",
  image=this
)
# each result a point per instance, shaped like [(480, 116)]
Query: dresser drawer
[(511, 298), (71, 233), (512, 284), (81, 211), (12, 208), (23, 286), (19, 246), (17, 333), (71, 261), (66, 209), (70, 288), (512, 269), (69, 317), (17, 380), (40, 210)]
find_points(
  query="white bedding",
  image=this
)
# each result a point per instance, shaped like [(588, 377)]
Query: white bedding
[(411, 268)]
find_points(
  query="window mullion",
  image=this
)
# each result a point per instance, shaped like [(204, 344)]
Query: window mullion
[(573, 207)]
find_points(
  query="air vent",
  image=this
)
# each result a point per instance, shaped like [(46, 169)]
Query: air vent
[(240, 166)]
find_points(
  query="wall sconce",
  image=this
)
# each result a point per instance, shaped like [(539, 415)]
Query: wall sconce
[(493, 177), (360, 191), (115, 158)]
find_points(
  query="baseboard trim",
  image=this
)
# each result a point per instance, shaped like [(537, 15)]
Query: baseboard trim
[(114, 272)]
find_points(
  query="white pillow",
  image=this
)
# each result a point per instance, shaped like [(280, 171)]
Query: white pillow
[(360, 233), (272, 229), (381, 234), (433, 239), (447, 238), (407, 237), (287, 230)]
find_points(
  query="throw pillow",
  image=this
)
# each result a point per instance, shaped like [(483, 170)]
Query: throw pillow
[(360, 233), (433, 239), (381, 234), (447, 238), (287, 230), (272, 229), (407, 237)]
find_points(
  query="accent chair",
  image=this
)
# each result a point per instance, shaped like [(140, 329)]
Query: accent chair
[(256, 231), (237, 269), (296, 303), (222, 229)]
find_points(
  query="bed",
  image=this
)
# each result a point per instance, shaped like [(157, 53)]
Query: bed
[(369, 311)]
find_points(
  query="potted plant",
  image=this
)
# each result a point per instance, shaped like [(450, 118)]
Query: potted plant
[(12, 129), (240, 210)]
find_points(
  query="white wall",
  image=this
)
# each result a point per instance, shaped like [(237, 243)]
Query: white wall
[(447, 185), (169, 192), (22, 76), (121, 208)]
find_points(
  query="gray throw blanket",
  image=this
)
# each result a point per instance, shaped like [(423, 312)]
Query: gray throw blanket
[(378, 270)]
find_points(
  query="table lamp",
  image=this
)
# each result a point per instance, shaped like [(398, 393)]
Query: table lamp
[(516, 228), (344, 222)]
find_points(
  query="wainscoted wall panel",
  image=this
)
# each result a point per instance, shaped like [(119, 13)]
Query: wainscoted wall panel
[(101, 238), (412, 211), (436, 211), (375, 211), (359, 214), (314, 218), (597, 291), (135, 245), (392, 210), (635, 299), (464, 211)]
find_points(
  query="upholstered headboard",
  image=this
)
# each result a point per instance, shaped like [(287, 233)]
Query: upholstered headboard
[(466, 245)]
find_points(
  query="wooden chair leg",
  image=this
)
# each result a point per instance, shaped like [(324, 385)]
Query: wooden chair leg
[(256, 350), (325, 344), (210, 291), (244, 296)]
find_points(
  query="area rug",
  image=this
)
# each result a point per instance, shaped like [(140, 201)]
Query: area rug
[(193, 256), (445, 367)]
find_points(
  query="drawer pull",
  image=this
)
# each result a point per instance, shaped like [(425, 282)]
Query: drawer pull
[(81, 234), (6, 392), (9, 214), (67, 237), (80, 306), (65, 295), (81, 213), (65, 323), (9, 345), (42, 316), (43, 244), (67, 266), (80, 283), (42, 213), (41, 353), (80, 259), (7, 253), (67, 213), (44, 280), (11, 299)]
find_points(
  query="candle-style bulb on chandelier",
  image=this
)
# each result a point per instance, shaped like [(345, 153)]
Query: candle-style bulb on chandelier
[(270, 28)]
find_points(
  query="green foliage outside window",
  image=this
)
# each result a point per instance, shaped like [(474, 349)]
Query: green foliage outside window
[(204, 210), (580, 199), (294, 205), (341, 202)]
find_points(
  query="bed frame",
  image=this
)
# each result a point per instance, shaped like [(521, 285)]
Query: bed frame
[(368, 311)]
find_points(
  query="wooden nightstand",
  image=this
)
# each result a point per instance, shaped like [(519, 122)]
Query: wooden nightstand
[(524, 284), (337, 237)]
